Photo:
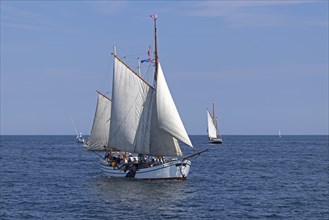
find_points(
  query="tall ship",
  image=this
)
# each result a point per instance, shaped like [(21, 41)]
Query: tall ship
[(139, 127)]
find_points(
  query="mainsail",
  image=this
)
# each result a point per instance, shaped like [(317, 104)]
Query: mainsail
[(130, 112), (144, 119), (101, 125), (212, 131)]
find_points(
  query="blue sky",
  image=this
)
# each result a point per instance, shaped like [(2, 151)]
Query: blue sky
[(263, 63)]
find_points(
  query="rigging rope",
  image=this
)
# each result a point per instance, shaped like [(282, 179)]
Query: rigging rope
[(97, 154)]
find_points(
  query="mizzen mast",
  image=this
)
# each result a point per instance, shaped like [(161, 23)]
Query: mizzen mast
[(213, 110)]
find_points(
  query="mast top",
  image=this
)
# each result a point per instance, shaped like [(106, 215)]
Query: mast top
[(114, 50), (154, 16)]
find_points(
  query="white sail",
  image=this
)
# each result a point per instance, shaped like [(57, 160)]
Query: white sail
[(140, 120), (131, 110), (162, 143), (145, 120), (101, 125), (168, 116), (212, 132)]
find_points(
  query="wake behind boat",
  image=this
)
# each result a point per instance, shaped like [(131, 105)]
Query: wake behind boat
[(140, 127)]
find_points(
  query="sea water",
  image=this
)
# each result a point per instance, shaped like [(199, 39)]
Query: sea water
[(246, 177)]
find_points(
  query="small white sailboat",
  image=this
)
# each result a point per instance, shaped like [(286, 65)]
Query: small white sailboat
[(143, 127), (79, 138), (279, 133), (213, 135)]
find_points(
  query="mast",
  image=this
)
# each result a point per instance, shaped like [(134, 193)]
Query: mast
[(139, 66), (114, 50), (213, 110), (76, 131), (213, 116), (155, 47)]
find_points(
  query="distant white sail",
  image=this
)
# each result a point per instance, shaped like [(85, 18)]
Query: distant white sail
[(212, 132), (101, 125)]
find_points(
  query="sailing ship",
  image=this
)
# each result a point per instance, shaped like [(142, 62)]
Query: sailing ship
[(213, 135), (140, 128), (79, 138), (280, 133)]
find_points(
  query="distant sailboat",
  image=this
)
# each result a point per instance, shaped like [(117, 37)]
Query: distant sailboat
[(213, 128), (279, 133), (142, 127), (79, 138)]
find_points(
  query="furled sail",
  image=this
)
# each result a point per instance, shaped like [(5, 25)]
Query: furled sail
[(168, 116), (101, 125), (212, 132)]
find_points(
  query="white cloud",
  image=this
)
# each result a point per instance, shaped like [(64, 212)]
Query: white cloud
[(247, 13), (233, 8), (23, 19)]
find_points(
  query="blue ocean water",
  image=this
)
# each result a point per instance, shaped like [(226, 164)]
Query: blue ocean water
[(246, 177)]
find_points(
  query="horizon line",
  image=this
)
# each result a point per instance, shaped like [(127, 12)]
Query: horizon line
[(189, 135)]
